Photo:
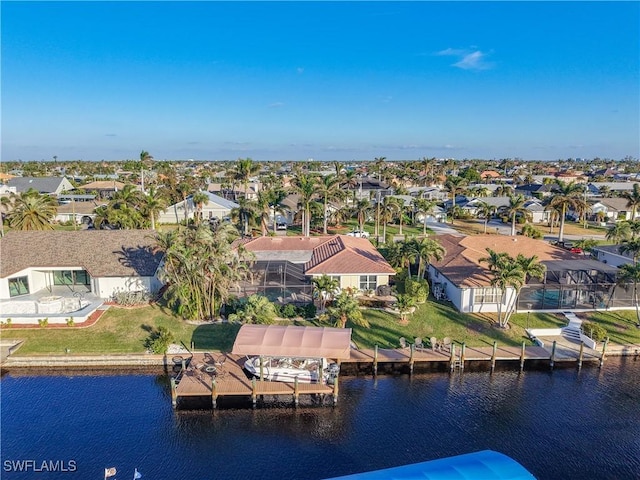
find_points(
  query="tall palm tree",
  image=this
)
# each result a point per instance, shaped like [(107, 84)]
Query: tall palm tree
[(630, 274), (32, 211), (427, 250), (530, 268), (633, 199), (568, 196), (152, 204), (244, 214), (199, 199), (361, 210), (329, 189), (305, 186), (508, 277), (424, 207), (455, 185), (619, 232), (486, 211), (515, 207), (243, 170), (325, 287), (389, 207)]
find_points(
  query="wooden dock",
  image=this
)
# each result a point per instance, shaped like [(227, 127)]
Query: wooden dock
[(218, 374), (222, 375)]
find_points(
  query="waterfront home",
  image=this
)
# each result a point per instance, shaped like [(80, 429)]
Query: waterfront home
[(95, 262), (285, 266), (613, 209), (611, 255), (570, 282)]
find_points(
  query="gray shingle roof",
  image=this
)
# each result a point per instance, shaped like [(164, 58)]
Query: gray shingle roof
[(39, 184), (103, 253)]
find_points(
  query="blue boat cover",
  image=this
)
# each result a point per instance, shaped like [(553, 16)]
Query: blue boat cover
[(484, 465)]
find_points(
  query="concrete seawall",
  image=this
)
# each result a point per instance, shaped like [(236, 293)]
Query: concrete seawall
[(87, 361)]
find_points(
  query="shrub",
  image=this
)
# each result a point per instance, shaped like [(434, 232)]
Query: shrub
[(594, 331), (43, 322), (530, 231), (130, 299), (159, 340), (289, 311), (70, 322), (308, 311), (418, 289), (8, 322), (371, 302), (254, 309)]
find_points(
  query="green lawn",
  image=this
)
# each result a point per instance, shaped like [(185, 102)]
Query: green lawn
[(125, 330)]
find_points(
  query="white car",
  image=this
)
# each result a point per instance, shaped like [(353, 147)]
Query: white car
[(359, 234)]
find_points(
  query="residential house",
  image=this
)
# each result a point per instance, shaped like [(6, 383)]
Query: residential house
[(613, 209), (536, 190), (571, 280), (215, 207), (236, 191), (90, 261), (82, 212), (611, 255), (372, 188), (616, 188), (285, 266), (103, 188), (44, 185)]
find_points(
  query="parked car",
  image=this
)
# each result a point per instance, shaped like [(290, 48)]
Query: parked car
[(359, 234)]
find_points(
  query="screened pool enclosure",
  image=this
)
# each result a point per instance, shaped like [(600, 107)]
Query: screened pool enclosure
[(278, 280)]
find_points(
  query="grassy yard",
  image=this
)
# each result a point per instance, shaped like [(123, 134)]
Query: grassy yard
[(125, 330)]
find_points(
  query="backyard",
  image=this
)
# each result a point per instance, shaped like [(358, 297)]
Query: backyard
[(125, 330)]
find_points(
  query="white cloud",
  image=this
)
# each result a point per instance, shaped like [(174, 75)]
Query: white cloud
[(275, 105), (469, 59)]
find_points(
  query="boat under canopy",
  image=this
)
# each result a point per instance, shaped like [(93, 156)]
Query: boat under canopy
[(293, 341)]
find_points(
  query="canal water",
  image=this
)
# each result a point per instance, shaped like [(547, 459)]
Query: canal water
[(565, 424)]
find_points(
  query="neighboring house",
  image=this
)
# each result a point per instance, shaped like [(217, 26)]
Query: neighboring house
[(285, 266), (253, 188), (537, 211), (596, 188), (430, 193), (571, 281), (471, 207), (611, 255), (371, 188), (536, 190), (99, 262), (613, 209), (48, 185), (82, 212), (104, 188), (215, 207)]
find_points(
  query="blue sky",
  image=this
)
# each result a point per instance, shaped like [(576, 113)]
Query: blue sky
[(322, 80)]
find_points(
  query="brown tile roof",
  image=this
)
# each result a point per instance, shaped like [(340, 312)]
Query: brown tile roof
[(103, 185), (462, 266), (103, 253), (79, 208), (336, 254)]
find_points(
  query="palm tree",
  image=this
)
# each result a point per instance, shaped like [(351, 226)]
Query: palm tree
[(454, 185), (567, 196), (199, 199), (361, 210), (345, 309), (619, 232), (486, 211), (630, 273), (242, 171), (244, 214), (388, 209), (152, 204), (508, 276), (405, 305), (530, 268), (32, 211), (329, 189), (427, 250), (325, 287), (633, 199), (305, 186), (515, 207), (425, 207)]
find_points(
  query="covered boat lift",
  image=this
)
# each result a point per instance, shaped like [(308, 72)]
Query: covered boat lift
[(290, 341)]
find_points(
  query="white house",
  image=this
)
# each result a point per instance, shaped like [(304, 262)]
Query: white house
[(98, 262), (215, 207)]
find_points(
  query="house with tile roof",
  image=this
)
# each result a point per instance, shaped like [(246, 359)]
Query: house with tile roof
[(87, 262), (215, 207), (572, 281), (284, 267)]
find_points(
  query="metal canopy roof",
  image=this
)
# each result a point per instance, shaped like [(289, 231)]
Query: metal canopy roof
[(293, 341), (575, 265)]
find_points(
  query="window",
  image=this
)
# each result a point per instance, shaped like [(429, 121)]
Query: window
[(70, 277), (486, 295), (368, 282), (18, 286)]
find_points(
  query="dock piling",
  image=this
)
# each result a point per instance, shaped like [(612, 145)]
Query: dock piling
[(452, 358), (493, 355), (254, 394), (522, 357), (412, 349), (335, 391), (604, 351), (214, 393), (580, 355), (375, 360), (174, 393), (462, 352), (296, 392), (552, 360)]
